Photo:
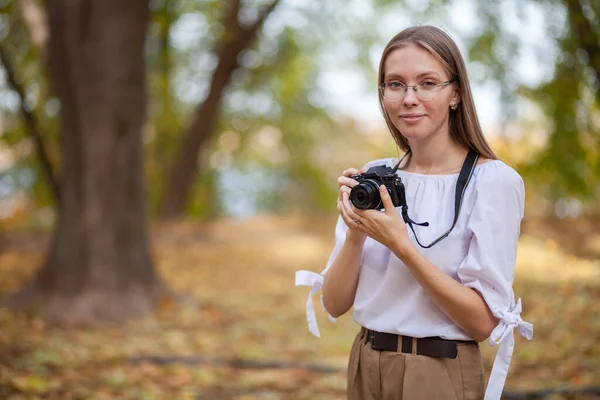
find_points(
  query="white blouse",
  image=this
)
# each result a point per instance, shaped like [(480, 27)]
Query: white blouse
[(480, 253)]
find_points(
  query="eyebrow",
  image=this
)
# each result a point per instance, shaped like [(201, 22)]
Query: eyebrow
[(422, 74)]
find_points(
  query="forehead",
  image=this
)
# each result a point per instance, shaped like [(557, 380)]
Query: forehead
[(410, 61)]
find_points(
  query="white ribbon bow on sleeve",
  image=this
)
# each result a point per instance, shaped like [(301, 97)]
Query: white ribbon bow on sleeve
[(308, 278), (503, 335)]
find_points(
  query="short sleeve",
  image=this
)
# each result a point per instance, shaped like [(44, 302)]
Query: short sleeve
[(494, 225)]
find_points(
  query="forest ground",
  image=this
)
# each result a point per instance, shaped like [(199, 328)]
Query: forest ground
[(238, 328)]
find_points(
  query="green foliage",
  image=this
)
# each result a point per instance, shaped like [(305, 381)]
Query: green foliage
[(276, 117), (566, 159), (31, 75), (567, 166)]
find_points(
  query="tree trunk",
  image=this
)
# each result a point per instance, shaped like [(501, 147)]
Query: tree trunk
[(586, 35), (98, 268), (180, 178)]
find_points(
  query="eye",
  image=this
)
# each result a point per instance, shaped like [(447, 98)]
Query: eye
[(428, 84), (394, 84)]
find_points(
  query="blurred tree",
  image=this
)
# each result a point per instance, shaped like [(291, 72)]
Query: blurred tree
[(570, 100), (273, 115), (569, 162), (37, 26), (31, 122), (274, 83), (237, 38), (165, 109), (99, 266)]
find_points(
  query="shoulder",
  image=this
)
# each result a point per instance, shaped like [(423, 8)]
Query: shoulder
[(495, 174), (498, 189), (499, 184)]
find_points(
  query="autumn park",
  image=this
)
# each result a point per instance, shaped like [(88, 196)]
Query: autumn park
[(166, 166)]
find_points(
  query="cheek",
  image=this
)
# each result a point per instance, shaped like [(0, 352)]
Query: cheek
[(390, 108), (391, 112), (438, 110)]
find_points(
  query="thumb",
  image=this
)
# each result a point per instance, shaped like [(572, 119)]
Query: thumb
[(386, 200)]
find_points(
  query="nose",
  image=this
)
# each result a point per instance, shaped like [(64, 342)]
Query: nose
[(410, 97)]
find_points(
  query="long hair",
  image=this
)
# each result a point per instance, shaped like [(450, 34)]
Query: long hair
[(463, 123)]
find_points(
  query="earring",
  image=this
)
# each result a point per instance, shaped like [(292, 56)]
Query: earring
[(453, 106)]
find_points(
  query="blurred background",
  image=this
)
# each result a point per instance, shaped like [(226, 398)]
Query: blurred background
[(167, 165)]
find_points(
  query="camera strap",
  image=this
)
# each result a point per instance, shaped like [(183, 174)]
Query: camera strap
[(461, 185)]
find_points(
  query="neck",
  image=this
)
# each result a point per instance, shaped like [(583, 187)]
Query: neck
[(435, 155)]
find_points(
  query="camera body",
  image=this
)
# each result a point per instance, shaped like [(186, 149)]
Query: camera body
[(365, 195)]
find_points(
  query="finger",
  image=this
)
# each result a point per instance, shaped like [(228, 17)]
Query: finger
[(346, 181), (343, 212), (350, 223), (388, 205), (350, 209), (362, 214), (343, 189), (350, 171)]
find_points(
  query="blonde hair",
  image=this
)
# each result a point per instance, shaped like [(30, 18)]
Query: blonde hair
[(463, 123)]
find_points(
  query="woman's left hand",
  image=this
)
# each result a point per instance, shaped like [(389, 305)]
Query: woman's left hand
[(388, 228)]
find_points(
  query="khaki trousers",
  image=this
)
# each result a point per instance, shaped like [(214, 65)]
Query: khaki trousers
[(386, 375)]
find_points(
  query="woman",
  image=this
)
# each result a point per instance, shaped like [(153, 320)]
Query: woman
[(423, 309)]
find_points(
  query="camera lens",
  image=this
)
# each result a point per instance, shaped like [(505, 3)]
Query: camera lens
[(365, 195)]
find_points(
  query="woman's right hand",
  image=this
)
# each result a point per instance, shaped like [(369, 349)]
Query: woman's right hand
[(344, 205)]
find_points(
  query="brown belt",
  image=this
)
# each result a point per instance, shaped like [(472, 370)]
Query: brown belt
[(428, 346)]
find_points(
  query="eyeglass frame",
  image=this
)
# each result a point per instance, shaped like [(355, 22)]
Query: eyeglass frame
[(414, 87)]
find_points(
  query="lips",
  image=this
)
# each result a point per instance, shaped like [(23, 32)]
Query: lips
[(411, 117)]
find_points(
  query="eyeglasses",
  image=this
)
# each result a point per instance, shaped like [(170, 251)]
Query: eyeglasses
[(426, 91)]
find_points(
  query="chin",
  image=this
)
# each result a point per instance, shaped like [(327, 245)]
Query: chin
[(412, 133)]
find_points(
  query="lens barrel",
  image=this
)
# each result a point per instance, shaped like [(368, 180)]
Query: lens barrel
[(365, 195)]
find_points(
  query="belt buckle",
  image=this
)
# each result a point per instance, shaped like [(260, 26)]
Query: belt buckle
[(371, 338)]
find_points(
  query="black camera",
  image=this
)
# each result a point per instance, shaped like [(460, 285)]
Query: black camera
[(365, 195)]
